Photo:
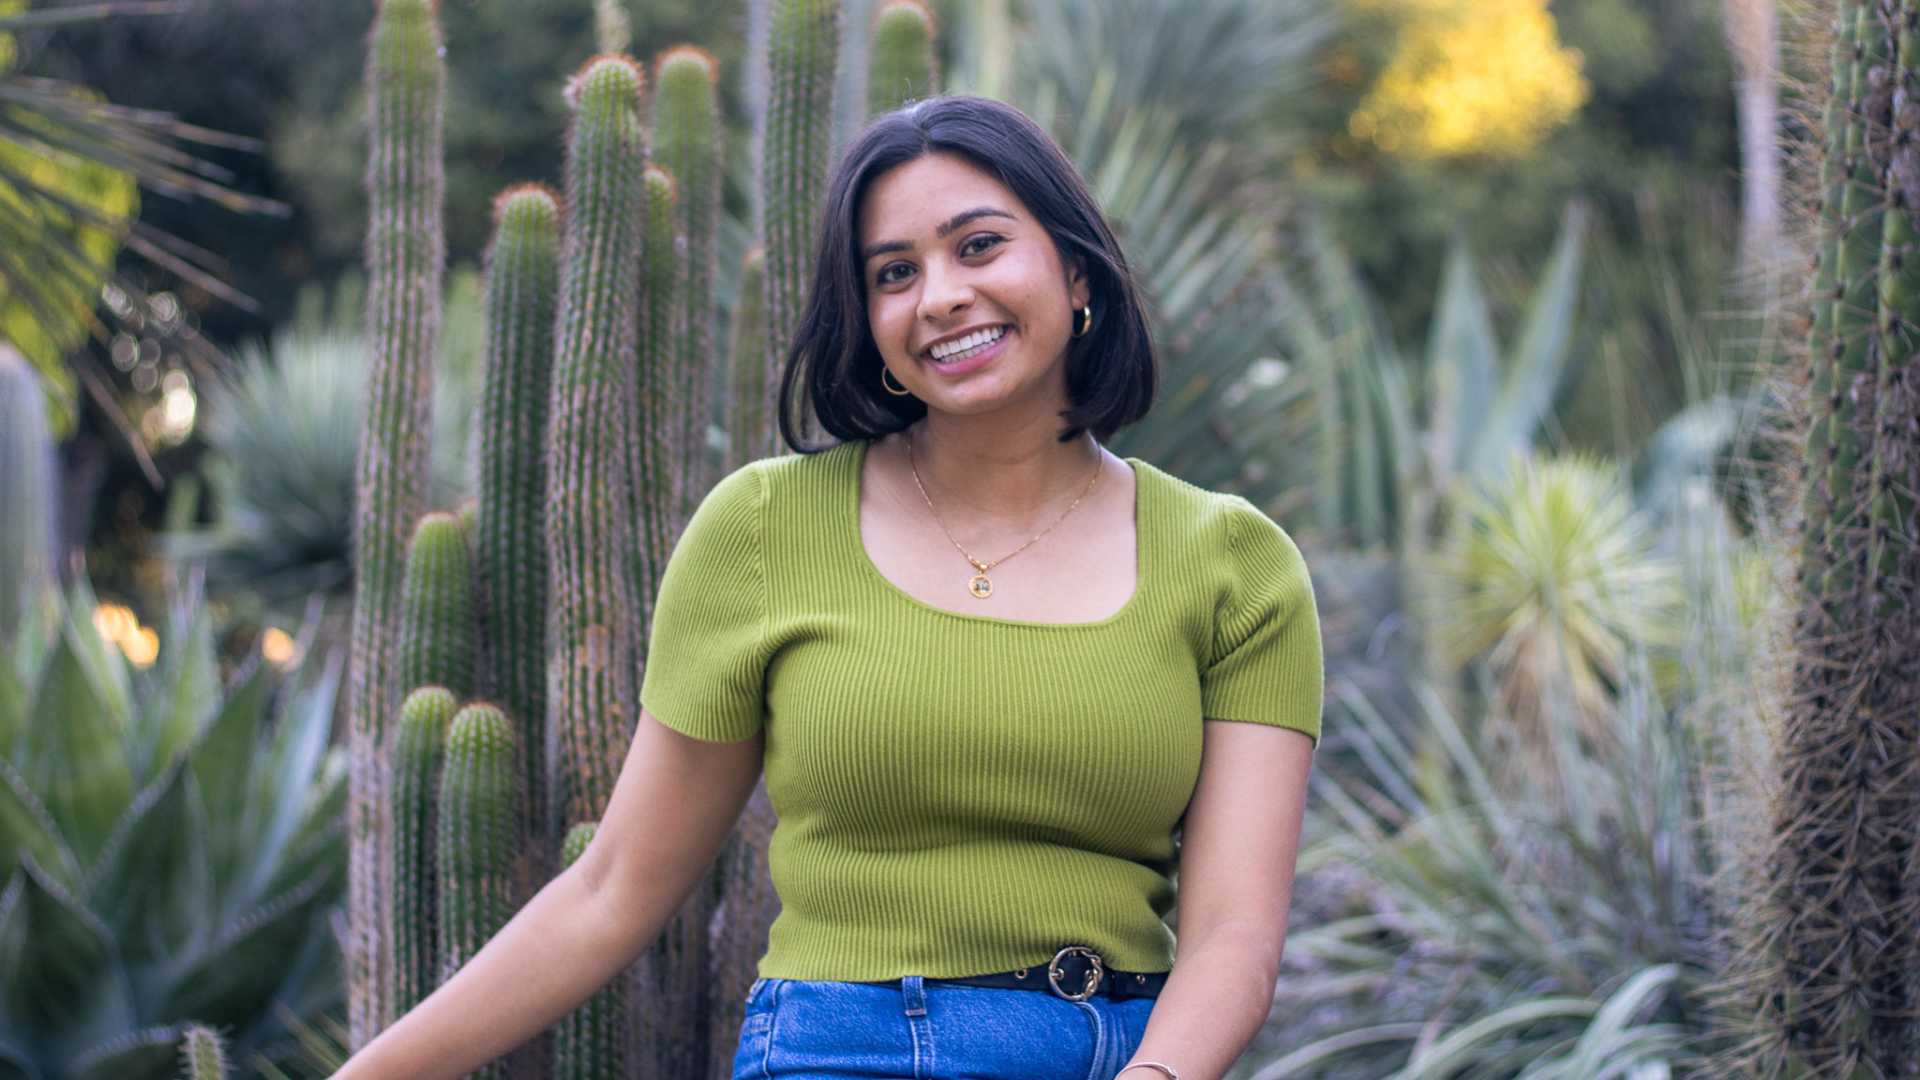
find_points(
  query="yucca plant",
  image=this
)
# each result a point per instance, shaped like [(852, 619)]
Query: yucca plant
[(171, 845), (1552, 574)]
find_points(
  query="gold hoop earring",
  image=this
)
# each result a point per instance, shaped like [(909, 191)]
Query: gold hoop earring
[(1078, 329), (886, 371)]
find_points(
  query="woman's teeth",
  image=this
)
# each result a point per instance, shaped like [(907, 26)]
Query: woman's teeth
[(976, 344)]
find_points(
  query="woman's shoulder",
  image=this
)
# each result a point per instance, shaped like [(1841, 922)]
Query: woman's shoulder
[(1219, 517)]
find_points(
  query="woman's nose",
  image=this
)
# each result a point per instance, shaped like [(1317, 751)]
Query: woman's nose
[(943, 292)]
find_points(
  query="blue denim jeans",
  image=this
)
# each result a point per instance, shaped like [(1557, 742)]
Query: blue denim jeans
[(802, 1030)]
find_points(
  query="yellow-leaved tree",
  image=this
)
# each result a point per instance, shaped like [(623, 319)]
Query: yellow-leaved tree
[(1469, 78)]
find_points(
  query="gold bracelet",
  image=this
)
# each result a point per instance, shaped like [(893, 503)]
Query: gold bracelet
[(1168, 1069)]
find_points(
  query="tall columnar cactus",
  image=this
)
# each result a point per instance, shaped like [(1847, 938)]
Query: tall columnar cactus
[(749, 408), (478, 838), (419, 751), (655, 426), (593, 636), (687, 143), (406, 253), (1838, 961), (437, 619), (510, 541), (902, 67), (591, 1042), (803, 49), (26, 491)]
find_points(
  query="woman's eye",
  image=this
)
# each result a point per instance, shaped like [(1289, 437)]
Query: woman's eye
[(971, 240), (987, 241)]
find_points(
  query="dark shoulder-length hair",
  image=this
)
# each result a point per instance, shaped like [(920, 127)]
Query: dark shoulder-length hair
[(1111, 370)]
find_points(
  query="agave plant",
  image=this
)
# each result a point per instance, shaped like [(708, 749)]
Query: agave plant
[(171, 846), (282, 427), (1480, 933)]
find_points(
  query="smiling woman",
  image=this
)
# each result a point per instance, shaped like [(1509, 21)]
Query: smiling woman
[(979, 770)]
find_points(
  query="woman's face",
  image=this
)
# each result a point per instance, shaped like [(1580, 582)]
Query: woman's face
[(947, 250)]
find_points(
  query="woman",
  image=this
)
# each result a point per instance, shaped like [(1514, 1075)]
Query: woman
[(988, 668)]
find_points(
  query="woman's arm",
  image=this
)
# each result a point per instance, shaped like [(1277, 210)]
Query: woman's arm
[(675, 802), (1236, 881)]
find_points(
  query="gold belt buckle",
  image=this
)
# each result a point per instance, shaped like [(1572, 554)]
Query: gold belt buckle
[(1094, 974)]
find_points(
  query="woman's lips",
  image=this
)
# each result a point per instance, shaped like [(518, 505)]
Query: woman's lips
[(974, 362)]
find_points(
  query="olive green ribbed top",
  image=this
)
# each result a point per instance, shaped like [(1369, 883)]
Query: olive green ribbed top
[(961, 794)]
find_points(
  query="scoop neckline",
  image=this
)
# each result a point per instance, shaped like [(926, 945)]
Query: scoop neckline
[(850, 519)]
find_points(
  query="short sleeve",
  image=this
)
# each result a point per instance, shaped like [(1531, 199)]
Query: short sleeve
[(1265, 664), (706, 651)]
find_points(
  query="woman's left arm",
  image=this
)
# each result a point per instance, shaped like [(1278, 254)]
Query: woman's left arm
[(1240, 842)]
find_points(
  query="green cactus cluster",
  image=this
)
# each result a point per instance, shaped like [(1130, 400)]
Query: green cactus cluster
[(498, 657)]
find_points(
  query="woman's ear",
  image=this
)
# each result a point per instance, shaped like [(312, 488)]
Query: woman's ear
[(1079, 289)]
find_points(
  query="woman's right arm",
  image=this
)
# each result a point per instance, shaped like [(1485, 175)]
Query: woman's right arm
[(675, 802)]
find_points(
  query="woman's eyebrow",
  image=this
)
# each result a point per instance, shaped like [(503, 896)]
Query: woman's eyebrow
[(883, 246)]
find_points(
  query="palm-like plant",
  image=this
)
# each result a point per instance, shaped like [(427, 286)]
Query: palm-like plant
[(171, 849), (70, 164)]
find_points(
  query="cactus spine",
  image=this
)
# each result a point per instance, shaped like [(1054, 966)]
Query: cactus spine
[(803, 48), (26, 490), (903, 67), (592, 635), (419, 751), (510, 542), (1838, 965), (687, 143), (406, 253), (437, 618), (590, 1043), (478, 838)]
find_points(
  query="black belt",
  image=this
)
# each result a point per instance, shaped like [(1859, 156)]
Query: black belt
[(1075, 973)]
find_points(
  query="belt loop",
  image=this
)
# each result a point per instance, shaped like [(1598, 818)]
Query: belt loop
[(914, 988)]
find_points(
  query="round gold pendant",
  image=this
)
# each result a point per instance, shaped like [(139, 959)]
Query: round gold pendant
[(979, 586)]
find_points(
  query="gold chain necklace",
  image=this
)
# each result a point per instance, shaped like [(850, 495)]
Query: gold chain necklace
[(979, 584)]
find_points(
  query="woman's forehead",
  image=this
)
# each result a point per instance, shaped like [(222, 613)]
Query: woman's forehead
[(914, 199)]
